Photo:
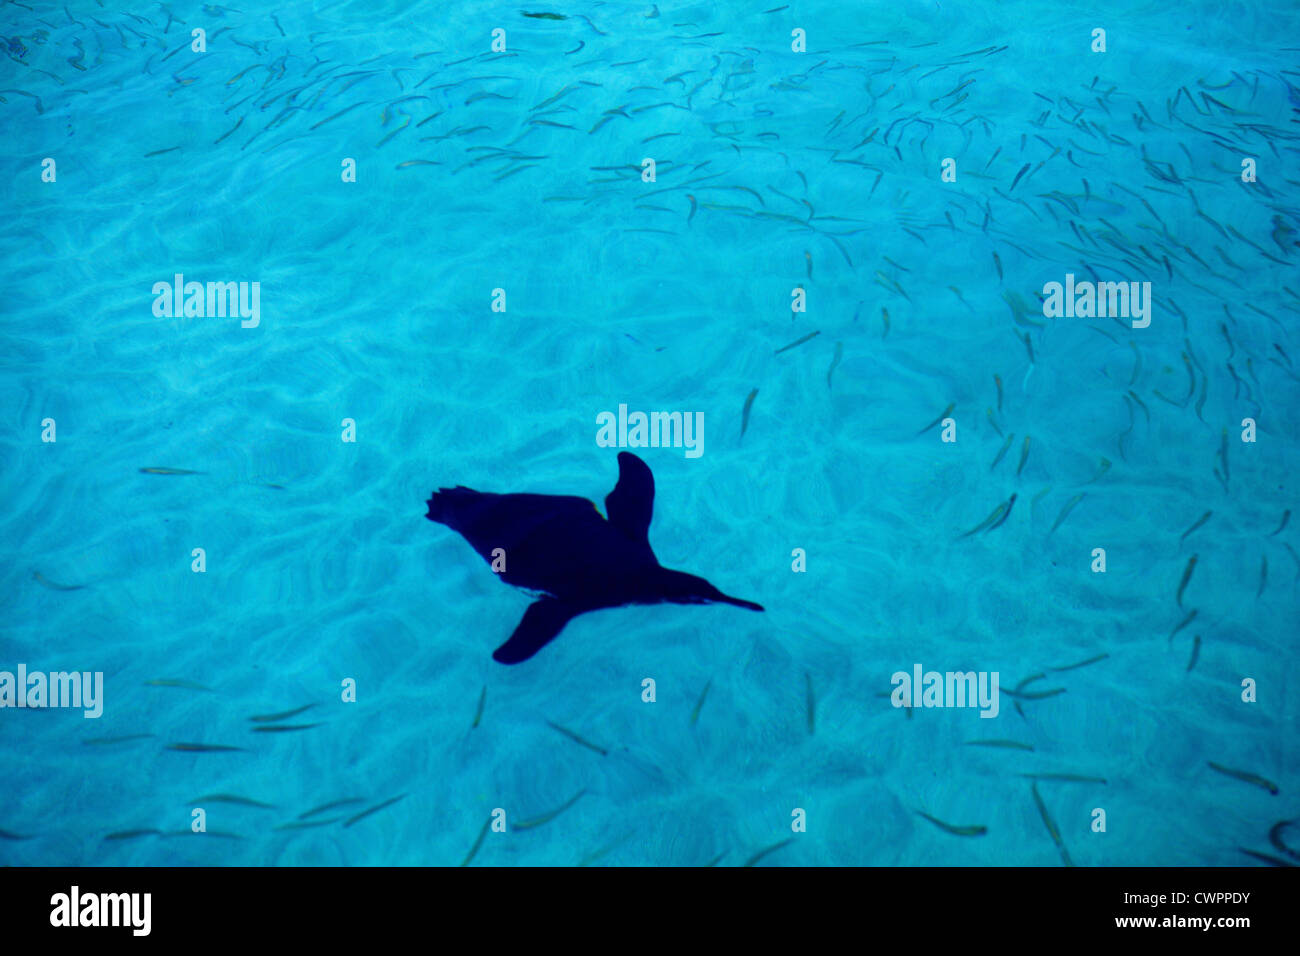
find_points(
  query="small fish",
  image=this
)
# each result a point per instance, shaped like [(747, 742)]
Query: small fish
[(229, 131), (1182, 624), (547, 102), (1286, 516), (595, 855), (174, 682), (1070, 667), (375, 809), (1191, 388), (1036, 695), (835, 362), (1271, 860), (968, 830), (7, 835), (1141, 404), (1199, 521), (545, 16), (1275, 838), (888, 283), (810, 335), (232, 798), (169, 149), (764, 852), (695, 714), (578, 740), (1187, 576), (998, 515), (53, 586), (482, 835), (744, 414), (1137, 363), (308, 824), (1196, 652), (1282, 234), (340, 113), (1024, 449), (1063, 777), (1103, 466), (345, 802), (1029, 680), (478, 714), (1008, 744), (997, 380), (281, 728), (808, 259), (810, 702), (997, 262), (1245, 776), (1054, 833), (1001, 452), (283, 715), (1023, 169), (548, 817), (132, 834), (942, 415), (169, 471), (202, 748), (884, 318), (1065, 511)]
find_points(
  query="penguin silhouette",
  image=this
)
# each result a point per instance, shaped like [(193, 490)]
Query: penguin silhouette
[(576, 559)]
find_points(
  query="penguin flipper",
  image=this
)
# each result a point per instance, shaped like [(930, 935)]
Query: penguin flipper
[(630, 506), (541, 624)]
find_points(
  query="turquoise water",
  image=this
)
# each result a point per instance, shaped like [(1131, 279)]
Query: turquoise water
[(818, 170)]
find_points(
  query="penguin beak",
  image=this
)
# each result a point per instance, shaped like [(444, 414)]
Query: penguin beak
[(738, 602)]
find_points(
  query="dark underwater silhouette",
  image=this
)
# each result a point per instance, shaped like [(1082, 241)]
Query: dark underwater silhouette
[(579, 560)]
